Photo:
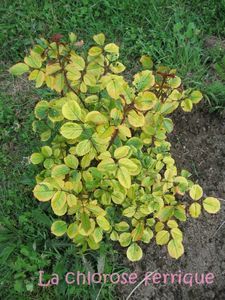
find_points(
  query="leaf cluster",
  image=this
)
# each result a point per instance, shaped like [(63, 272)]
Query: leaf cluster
[(106, 162)]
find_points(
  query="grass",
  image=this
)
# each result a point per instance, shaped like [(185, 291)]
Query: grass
[(172, 32)]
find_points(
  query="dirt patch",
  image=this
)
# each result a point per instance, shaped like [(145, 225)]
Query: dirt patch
[(212, 41), (198, 145)]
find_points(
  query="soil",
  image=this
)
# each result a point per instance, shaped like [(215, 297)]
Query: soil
[(198, 145)]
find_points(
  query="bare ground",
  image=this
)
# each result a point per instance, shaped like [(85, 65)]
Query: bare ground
[(198, 145)]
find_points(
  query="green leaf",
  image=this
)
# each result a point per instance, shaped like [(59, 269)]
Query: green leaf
[(211, 205), (72, 230), (168, 124), (196, 192), (122, 226), (37, 158), (71, 130), (134, 252), (179, 213), (58, 201), (144, 80), (146, 62), (58, 228), (196, 97), (60, 170), (85, 221), (46, 151), (41, 109), (19, 69), (165, 213)]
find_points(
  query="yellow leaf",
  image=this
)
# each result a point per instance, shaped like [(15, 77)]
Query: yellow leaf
[(52, 68), (59, 82), (136, 119), (40, 79), (134, 252), (177, 233), (103, 223), (94, 51), (112, 48), (211, 205), (114, 88), (71, 110), (71, 130), (124, 177), (34, 60), (175, 248), (19, 69), (186, 105), (96, 117), (89, 79), (196, 192), (195, 210), (121, 152), (78, 62), (71, 200), (117, 67), (43, 191), (162, 237), (99, 39), (145, 101)]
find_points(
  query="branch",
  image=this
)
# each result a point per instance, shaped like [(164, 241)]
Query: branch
[(61, 63)]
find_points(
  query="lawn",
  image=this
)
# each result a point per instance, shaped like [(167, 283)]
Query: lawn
[(186, 35)]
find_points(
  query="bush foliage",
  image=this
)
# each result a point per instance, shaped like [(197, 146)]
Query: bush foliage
[(106, 162)]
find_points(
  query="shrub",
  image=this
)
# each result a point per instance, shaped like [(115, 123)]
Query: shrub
[(106, 162)]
